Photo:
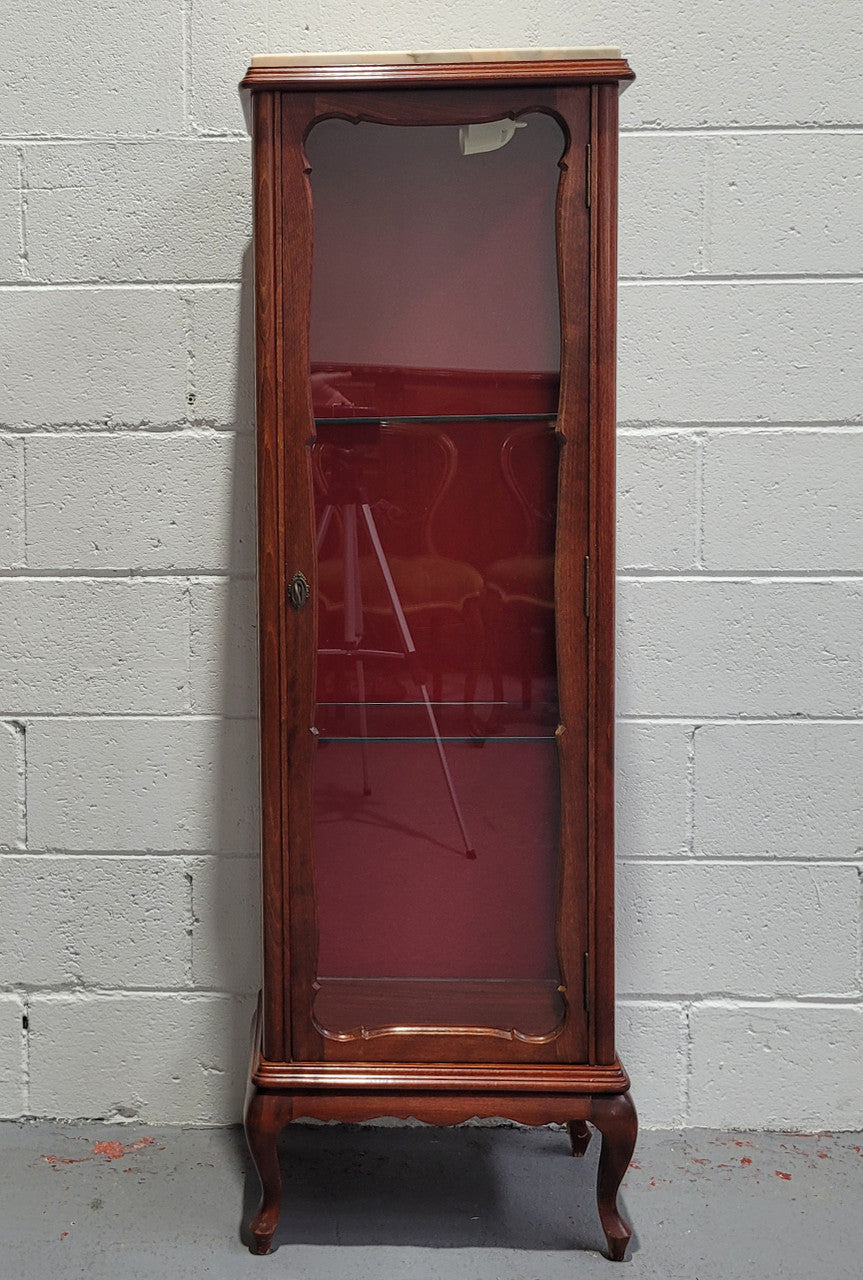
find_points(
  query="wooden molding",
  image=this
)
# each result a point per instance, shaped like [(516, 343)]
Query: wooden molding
[(439, 75)]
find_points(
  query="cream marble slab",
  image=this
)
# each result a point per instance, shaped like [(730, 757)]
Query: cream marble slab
[(389, 57)]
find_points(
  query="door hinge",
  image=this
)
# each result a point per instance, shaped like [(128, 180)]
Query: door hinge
[(587, 176), (587, 982), (587, 586)]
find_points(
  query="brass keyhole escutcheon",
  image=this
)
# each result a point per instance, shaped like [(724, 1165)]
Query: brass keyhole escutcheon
[(298, 590)]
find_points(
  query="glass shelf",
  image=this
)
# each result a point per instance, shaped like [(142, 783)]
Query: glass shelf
[(360, 420), (410, 721)]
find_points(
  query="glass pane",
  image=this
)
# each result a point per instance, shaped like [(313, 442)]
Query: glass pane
[(435, 273), (435, 376)]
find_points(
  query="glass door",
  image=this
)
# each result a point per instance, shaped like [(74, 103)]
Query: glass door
[(436, 869)]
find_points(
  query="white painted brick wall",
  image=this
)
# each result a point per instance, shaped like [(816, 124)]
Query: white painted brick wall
[(9, 215), (169, 786), (137, 503), (102, 922), (128, 763)]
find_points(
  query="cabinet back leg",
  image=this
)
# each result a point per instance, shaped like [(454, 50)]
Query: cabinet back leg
[(579, 1136), (616, 1120), (265, 1117)]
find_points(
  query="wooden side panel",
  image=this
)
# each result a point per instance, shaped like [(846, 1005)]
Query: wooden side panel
[(299, 651), (573, 247), (267, 224), (603, 285)]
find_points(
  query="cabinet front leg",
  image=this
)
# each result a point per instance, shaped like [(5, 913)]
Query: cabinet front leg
[(265, 1118), (616, 1120)]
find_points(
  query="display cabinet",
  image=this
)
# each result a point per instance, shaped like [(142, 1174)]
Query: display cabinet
[(435, 321)]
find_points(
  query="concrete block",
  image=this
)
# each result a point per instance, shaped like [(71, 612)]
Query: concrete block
[(160, 1059), (119, 71), (141, 502), (159, 785), (651, 1042), (100, 646), (11, 789), (10, 248), (784, 500), (755, 931), (661, 205), (101, 357), (226, 923), (657, 513), (727, 648), (11, 503), (224, 356), (106, 922), (13, 1090), (224, 34), (651, 781), (783, 790), (224, 663), (739, 352), (779, 1066), (735, 65), (139, 210), (785, 203)]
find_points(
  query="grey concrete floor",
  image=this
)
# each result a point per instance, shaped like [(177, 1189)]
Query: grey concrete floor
[(425, 1204)]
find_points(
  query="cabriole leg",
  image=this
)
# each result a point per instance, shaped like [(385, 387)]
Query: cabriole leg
[(616, 1120), (265, 1118)]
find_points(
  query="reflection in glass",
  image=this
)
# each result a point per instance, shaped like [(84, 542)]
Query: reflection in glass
[(435, 382)]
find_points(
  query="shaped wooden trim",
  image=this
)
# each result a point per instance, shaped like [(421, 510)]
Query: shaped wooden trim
[(434, 75)]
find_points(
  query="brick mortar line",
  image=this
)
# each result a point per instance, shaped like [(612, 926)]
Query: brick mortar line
[(96, 992), (740, 1000), (626, 282), (124, 575), (50, 853), (734, 1002), (158, 717), (186, 65), (177, 427), (725, 861), (742, 576), (203, 134), (686, 1010), (695, 431), (704, 721), (186, 430), (193, 429)]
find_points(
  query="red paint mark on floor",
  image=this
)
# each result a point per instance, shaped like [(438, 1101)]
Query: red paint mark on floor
[(698, 1160), (633, 1165), (113, 1150), (116, 1150), (786, 1177), (823, 1155), (63, 1235), (739, 1143), (745, 1160)]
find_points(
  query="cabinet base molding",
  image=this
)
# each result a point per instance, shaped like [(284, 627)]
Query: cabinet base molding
[(440, 1094)]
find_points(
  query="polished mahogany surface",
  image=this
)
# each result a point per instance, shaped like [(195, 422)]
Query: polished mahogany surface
[(334, 1041), (435, 379)]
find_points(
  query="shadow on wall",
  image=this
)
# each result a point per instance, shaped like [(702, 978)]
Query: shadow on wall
[(230, 951)]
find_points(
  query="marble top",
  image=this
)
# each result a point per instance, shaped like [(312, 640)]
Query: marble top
[(389, 57)]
